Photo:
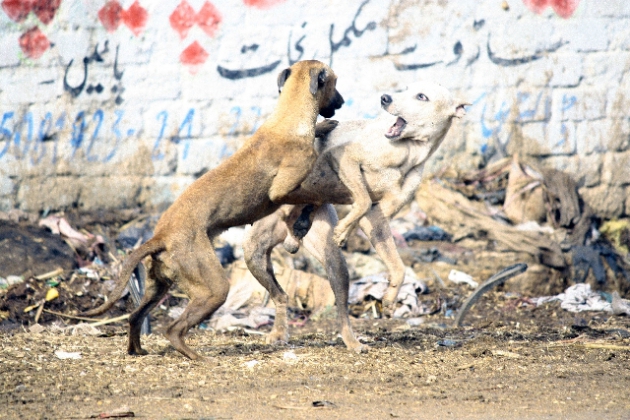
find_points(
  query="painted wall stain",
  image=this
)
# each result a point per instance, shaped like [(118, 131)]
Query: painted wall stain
[(194, 56), (45, 10), (18, 10), (182, 19), (209, 18), (564, 8), (109, 15), (135, 18), (262, 4), (34, 43), (112, 14)]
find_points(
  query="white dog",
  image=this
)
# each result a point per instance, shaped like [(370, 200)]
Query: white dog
[(360, 163)]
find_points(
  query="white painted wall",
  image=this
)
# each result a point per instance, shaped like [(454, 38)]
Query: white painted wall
[(554, 85)]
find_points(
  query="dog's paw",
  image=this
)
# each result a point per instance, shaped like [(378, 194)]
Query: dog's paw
[(137, 352), (340, 236), (389, 298), (291, 245), (323, 128), (277, 337), (361, 349)]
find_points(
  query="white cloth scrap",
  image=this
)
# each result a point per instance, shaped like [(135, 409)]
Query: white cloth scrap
[(577, 298)]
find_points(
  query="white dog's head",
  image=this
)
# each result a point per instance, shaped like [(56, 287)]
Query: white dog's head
[(424, 110)]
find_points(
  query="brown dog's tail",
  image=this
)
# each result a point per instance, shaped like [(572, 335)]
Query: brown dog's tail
[(151, 247)]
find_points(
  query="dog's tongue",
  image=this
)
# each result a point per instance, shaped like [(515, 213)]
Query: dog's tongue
[(396, 129)]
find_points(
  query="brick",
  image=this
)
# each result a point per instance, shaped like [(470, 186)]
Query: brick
[(600, 136), (29, 79), (74, 44), (196, 157), (53, 193), (6, 203), (608, 8), (7, 186), (162, 191), (619, 33), (619, 98), (108, 192), (606, 201), (616, 168), (528, 139), (584, 34), (544, 139), (164, 84), (605, 68), (9, 52), (585, 170), (579, 104), (566, 69)]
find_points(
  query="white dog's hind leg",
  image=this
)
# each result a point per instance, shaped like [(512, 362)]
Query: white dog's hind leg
[(318, 242)]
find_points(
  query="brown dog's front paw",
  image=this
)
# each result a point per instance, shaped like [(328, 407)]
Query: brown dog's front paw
[(323, 128), (340, 236), (137, 352)]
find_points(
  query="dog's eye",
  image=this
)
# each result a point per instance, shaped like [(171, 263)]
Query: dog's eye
[(422, 97)]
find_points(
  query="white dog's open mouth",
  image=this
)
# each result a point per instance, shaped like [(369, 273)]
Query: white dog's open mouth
[(396, 129)]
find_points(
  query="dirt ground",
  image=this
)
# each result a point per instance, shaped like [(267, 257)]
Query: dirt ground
[(512, 359), (520, 363)]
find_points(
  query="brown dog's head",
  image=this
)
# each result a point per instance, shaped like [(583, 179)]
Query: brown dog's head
[(321, 82)]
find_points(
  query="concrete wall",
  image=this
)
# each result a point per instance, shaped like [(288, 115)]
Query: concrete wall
[(119, 103)]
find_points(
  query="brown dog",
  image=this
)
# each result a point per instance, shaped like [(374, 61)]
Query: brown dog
[(360, 163), (242, 189)]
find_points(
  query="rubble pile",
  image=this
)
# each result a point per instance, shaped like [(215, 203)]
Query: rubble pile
[(462, 229)]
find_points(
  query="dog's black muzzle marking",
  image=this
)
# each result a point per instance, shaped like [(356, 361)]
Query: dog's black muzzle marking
[(335, 103)]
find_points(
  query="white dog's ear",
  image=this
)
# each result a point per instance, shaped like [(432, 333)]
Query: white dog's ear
[(460, 111)]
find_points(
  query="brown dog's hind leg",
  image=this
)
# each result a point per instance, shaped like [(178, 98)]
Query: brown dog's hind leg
[(155, 289), (259, 241), (376, 227), (319, 242), (201, 277)]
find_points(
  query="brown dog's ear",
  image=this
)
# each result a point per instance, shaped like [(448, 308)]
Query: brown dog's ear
[(318, 79), (282, 78)]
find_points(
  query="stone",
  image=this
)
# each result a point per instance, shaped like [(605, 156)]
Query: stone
[(606, 201)]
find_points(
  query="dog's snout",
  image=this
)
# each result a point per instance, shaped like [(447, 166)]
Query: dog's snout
[(338, 100), (386, 100)]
